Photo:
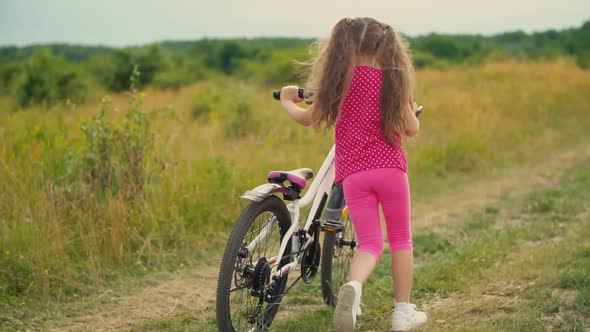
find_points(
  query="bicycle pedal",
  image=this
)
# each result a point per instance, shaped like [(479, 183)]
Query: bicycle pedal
[(332, 226)]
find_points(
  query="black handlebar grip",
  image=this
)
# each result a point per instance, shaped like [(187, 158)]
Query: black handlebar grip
[(419, 111), (277, 94)]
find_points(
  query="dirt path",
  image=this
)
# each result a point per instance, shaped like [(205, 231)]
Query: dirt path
[(483, 192), (195, 291), (500, 290)]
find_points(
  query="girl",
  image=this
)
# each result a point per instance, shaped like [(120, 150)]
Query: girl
[(363, 83)]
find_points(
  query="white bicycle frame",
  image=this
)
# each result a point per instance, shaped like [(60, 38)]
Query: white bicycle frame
[(322, 184)]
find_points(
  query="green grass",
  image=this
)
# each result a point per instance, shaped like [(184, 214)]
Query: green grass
[(183, 322), (464, 256), (430, 243), (200, 166), (575, 275), (469, 251)]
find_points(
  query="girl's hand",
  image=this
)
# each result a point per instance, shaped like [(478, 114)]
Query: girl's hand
[(411, 123), (290, 93), (289, 98)]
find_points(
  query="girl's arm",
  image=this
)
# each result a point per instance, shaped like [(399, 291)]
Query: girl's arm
[(411, 123), (289, 98)]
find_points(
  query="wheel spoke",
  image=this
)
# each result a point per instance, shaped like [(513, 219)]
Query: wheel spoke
[(247, 296), (245, 304), (338, 257)]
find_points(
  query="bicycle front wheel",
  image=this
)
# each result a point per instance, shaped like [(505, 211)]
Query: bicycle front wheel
[(339, 248), (247, 300)]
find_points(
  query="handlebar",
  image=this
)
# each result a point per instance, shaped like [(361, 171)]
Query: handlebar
[(419, 110), (276, 94)]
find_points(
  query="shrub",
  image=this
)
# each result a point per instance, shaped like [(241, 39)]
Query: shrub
[(425, 59), (151, 61), (442, 47), (242, 121), (9, 73), (172, 79), (48, 79), (115, 154), (16, 274), (583, 60), (275, 67), (205, 102), (101, 68), (226, 55)]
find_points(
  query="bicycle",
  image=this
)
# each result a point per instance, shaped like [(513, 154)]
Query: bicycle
[(252, 268)]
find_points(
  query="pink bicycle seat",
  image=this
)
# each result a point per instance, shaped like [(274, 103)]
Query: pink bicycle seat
[(296, 176)]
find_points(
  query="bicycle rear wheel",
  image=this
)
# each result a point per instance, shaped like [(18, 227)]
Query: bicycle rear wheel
[(245, 299), (338, 250)]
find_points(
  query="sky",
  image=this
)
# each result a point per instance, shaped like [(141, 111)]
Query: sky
[(137, 22)]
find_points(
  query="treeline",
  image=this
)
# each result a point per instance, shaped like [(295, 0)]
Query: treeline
[(432, 49), (48, 74)]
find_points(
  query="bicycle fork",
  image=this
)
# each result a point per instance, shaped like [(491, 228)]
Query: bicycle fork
[(330, 222), (293, 208)]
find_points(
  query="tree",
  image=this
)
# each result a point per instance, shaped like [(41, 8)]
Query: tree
[(48, 79)]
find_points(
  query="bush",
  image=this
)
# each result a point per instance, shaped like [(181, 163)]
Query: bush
[(172, 79), (275, 67), (583, 60), (16, 275), (151, 61), (226, 56), (115, 154), (442, 47), (201, 107), (242, 121), (424, 59), (101, 68), (49, 79), (205, 102), (9, 74), (229, 106)]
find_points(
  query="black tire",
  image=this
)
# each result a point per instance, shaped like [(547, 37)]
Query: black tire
[(336, 258), (233, 316)]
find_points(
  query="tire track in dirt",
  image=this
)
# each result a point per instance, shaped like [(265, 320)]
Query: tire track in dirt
[(191, 292), (500, 291), (516, 181), (194, 292)]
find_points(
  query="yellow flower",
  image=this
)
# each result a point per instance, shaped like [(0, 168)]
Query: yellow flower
[(6, 252), (45, 271)]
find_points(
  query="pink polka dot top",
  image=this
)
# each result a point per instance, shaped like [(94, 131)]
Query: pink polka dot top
[(360, 143)]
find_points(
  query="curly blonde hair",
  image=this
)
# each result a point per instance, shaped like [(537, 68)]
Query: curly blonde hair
[(331, 70)]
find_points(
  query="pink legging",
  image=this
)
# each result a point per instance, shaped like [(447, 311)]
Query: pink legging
[(363, 191)]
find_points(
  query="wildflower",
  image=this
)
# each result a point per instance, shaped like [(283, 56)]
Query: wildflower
[(7, 252)]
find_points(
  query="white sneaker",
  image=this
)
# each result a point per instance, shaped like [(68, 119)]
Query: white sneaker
[(348, 307), (403, 321)]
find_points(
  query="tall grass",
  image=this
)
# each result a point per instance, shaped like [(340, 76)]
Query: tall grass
[(57, 241)]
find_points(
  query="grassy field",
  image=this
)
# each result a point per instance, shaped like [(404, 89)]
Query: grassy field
[(519, 264), (63, 242), (516, 265)]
